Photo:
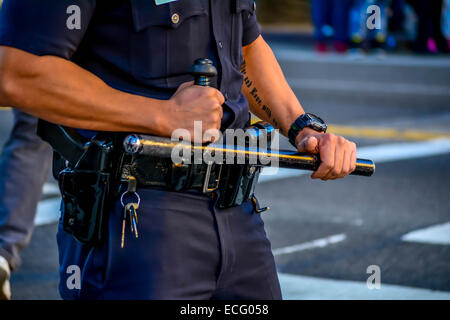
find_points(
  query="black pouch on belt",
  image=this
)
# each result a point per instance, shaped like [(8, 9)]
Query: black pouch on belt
[(237, 184), (86, 193)]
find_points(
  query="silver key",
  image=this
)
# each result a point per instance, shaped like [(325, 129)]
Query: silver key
[(131, 209)]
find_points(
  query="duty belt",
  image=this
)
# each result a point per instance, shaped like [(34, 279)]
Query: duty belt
[(234, 183)]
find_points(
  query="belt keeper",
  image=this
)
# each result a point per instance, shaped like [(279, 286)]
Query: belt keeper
[(206, 188)]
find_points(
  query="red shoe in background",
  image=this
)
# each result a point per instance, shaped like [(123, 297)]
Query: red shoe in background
[(340, 46), (321, 47)]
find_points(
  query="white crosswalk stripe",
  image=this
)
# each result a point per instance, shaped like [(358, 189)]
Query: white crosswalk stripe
[(318, 243), (438, 234), (295, 287), (47, 211), (50, 189), (379, 154)]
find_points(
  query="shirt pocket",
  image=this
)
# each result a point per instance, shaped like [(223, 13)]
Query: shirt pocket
[(240, 8), (161, 35)]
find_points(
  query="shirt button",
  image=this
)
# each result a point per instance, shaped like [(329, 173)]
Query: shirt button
[(220, 44), (175, 18)]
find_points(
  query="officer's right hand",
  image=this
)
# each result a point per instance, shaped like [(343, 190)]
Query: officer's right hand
[(195, 103)]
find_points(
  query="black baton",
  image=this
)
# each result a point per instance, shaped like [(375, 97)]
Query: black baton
[(164, 148)]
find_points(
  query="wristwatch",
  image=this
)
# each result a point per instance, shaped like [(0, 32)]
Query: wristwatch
[(306, 120)]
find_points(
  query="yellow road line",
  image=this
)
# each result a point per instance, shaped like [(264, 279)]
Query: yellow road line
[(386, 133), (372, 132), (381, 133)]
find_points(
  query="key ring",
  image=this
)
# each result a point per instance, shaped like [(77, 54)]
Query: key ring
[(135, 193)]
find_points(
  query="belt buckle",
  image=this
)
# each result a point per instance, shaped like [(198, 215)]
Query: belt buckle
[(206, 188)]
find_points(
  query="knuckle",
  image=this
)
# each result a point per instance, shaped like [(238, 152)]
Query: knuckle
[(328, 165), (212, 118), (211, 106), (212, 92), (331, 136), (205, 91), (341, 140)]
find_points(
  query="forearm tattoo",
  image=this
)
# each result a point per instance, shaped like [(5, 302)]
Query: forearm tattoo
[(255, 96)]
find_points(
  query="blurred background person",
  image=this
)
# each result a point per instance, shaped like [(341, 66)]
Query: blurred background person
[(396, 23), (361, 37), (24, 167), (430, 38), (330, 18), (446, 21), (21, 185), (397, 16)]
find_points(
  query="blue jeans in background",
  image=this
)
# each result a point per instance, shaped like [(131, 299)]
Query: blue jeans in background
[(24, 167), (334, 13)]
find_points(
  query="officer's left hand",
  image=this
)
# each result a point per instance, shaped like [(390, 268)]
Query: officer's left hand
[(338, 155)]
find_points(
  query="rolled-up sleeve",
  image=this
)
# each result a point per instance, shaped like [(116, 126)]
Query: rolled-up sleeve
[(252, 30), (50, 27)]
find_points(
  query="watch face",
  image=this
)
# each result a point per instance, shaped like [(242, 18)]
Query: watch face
[(316, 123)]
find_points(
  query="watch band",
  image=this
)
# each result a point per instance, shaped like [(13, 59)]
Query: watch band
[(295, 128), (305, 120)]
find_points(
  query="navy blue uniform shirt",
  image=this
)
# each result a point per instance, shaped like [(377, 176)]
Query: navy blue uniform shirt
[(137, 46)]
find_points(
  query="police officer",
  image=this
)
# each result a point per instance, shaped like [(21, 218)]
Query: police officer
[(123, 66)]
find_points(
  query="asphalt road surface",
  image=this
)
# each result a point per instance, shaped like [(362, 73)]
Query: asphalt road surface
[(326, 234)]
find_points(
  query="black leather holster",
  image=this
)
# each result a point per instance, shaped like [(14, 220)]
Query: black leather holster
[(86, 177)]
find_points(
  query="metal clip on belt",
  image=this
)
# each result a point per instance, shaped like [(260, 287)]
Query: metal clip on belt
[(206, 188)]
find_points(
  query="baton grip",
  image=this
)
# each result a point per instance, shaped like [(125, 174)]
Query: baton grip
[(364, 167), (305, 161)]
